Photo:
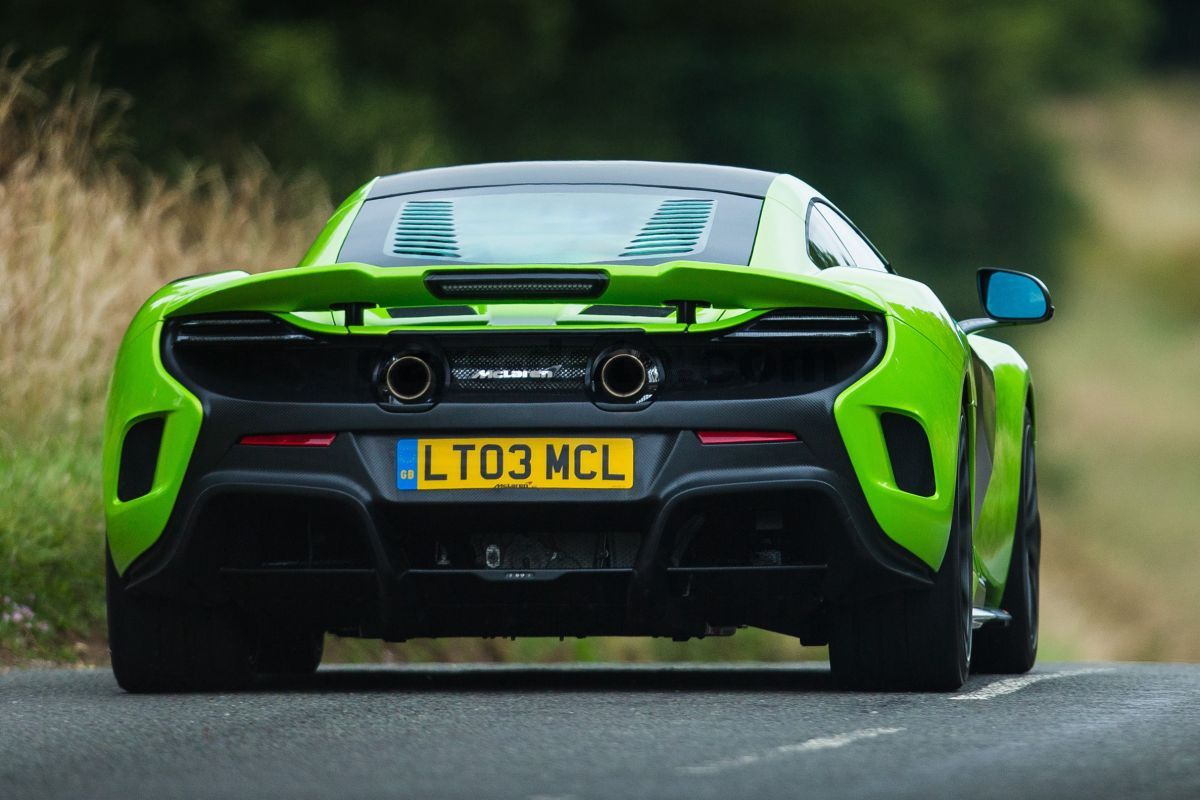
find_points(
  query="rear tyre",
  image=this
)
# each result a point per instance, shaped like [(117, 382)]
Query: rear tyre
[(917, 639), (160, 645), (1013, 649), (289, 651)]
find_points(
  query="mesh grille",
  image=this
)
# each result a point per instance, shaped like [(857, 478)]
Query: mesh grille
[(518, 369)]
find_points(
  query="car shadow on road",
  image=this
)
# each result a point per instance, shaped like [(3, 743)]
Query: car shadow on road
[(568, 677)]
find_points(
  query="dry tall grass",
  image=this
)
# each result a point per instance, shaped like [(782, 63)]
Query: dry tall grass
[(86, 234)]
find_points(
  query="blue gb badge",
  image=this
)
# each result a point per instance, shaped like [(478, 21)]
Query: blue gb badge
[(406, 464)]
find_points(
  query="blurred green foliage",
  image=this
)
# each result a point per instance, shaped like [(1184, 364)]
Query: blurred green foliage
[(1175, 34), (913, 116)]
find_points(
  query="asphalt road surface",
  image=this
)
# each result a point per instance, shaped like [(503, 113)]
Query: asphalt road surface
[(657, 731)]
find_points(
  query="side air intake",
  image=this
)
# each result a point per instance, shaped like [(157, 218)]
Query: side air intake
[(139, 459), (424, 229), (908, 449), (678, 227)]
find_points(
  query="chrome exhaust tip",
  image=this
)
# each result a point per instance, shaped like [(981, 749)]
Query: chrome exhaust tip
[(408, 378), (624, 375)]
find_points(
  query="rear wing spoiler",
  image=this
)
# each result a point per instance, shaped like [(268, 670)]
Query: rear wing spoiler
[(355, 287)]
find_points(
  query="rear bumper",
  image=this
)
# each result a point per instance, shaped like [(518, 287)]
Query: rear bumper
[(194, 532), (373, 568)]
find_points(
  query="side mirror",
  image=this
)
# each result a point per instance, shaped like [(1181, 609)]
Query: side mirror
[(1010, 298)]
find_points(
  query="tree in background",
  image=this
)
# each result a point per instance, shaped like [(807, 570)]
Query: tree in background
[(915, 117)]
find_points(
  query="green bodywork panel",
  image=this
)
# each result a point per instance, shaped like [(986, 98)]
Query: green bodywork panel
[(317, 288), (781, 243), (924, 372), (325, 247), (996, 518), (142, 389), (919, 524)]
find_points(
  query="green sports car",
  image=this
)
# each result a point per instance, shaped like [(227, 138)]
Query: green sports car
[(573, 399)]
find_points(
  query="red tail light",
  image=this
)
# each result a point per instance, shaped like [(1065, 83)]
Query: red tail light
[(289, 439), (745, 437)]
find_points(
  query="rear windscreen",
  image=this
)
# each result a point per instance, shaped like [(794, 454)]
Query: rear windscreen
[(554, 224)]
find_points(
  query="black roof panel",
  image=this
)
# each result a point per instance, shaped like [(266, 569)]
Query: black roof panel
[(737, 180)]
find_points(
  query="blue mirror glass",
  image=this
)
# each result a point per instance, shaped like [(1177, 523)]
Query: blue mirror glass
[(1013, 296)]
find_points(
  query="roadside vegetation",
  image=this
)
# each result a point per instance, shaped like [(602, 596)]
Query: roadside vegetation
[(87, 232), (1118, 374)]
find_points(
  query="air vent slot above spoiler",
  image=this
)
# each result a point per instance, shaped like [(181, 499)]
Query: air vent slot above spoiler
[(516, 285), (235, 329), (428, 312), (809, 324), (628, 311)]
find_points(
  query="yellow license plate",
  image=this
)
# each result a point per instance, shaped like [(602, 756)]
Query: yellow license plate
[(514, 464)]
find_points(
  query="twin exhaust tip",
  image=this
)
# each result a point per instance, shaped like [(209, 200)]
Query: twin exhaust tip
[(409, 378), (623, 376), (618, 376)]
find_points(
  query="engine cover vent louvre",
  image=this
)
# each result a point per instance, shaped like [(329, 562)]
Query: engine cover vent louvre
[(424, 229), (677, 228)]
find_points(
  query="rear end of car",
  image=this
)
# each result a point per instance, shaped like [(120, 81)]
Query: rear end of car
[(640, 441), (484, 483)]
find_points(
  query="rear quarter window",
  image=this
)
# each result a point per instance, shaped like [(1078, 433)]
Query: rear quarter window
[(834, 242)]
